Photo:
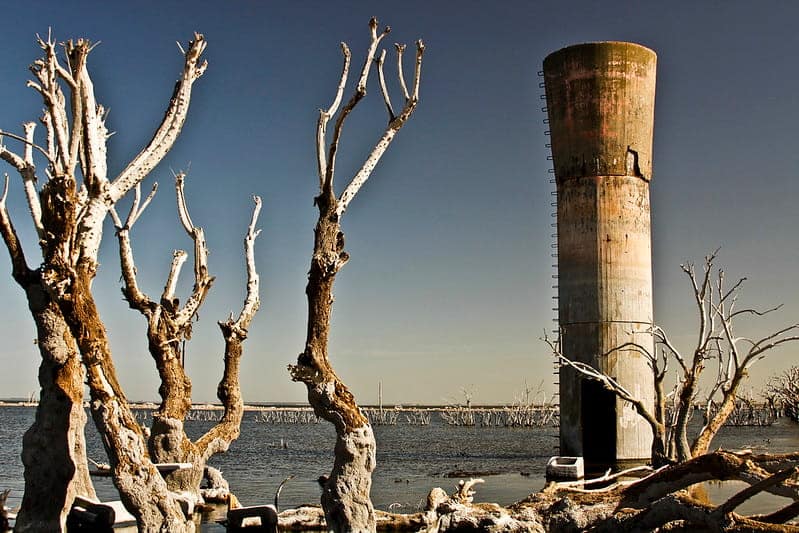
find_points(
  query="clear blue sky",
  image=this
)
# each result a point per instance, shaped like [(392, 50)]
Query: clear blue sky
[(449, 282)]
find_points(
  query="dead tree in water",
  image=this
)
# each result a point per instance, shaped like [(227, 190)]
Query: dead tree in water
[(345, 495), (68, 213), (717, 340), (168, 326), (784, 390)]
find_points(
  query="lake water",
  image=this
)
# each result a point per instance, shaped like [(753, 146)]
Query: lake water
[(411, 460)]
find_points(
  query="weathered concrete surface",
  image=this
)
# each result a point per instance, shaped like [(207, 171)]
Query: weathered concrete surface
[(600, 100), (601, 107)]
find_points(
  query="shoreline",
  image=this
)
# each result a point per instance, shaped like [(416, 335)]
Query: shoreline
[(296, 407)]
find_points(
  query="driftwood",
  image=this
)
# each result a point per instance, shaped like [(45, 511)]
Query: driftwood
[(661, 501)]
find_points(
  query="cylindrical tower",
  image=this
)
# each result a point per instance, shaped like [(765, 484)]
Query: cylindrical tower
[(600, 103)]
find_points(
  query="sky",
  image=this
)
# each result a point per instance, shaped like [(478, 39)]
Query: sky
[(449, 283)]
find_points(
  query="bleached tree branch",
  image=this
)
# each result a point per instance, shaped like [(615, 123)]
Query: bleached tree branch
[(417, 73), (90, 123), (606, 381), (19, 265), (27, 170), (170, 127), (135, 211), (357, 96), (27, 141), (178, 259), (202, 280), (324, 118), (45, 70), (183, 210), (385, 140), (400, 48), (135, 297), (252, 301), (219, 437), (380, 60)]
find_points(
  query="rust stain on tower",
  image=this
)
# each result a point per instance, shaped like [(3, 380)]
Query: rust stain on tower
[(600, 103)]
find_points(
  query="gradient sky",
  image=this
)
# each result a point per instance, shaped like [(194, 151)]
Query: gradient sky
[(449, 283)]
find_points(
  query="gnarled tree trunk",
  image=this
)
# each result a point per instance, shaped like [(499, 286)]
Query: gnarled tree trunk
[(54, 447), (345, 494)]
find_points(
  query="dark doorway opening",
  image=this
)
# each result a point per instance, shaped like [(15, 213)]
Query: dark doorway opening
[(598, 411)]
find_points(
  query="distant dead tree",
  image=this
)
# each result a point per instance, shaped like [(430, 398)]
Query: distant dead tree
[(784, 389), (169, 325), (68, 211), (345, 497), (717, 341)]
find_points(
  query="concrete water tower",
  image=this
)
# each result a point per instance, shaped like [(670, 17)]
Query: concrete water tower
[(600, 103)]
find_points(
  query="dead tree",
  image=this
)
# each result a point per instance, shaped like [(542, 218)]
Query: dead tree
[(68, 213), (784, 390), (656, 419), (169, 324), (345, 495), (717, 341)]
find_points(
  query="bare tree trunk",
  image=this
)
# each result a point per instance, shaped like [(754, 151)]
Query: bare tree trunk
[(54, 448), (141, 487), (345, 494), (687, 391)]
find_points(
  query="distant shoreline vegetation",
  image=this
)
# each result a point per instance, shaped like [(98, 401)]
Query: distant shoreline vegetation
[(746, 413), (259, 406)]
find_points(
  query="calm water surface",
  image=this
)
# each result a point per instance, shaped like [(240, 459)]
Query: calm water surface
[(411, 460)]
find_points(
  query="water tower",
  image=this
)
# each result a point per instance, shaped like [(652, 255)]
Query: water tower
[(600, 104)]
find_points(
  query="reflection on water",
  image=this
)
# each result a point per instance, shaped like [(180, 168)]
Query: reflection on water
[(410, 459), (717, 492)]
